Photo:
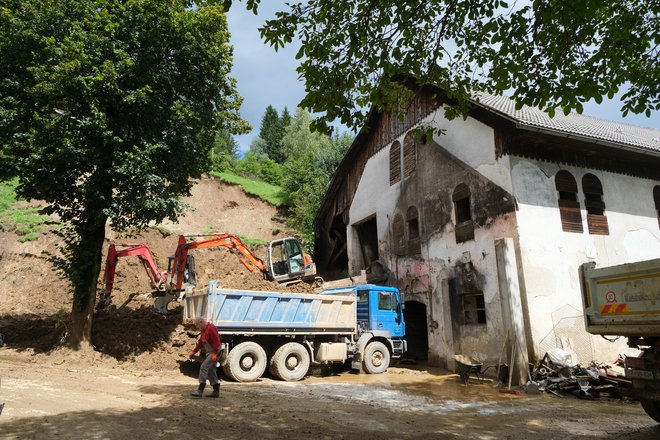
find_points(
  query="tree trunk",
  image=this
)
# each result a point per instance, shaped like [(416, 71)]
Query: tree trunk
[(87, 265)]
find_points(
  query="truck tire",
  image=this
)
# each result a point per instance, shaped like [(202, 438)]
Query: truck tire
[(290, 362), (376, 358), (246, 362), (652, 408)]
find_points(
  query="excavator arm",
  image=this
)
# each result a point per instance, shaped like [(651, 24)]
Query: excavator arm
[(119, 250), (231, 242)]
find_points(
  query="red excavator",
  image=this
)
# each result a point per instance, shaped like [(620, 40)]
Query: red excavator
[(287, 264), (115, 251)]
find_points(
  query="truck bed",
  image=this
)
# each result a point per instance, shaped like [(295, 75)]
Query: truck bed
[(622, 300), (251, 312)]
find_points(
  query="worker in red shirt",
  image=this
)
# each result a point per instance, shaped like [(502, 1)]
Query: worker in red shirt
[(210, 340)]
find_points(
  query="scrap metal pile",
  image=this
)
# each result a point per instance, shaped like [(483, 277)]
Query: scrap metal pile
[(557, 374)]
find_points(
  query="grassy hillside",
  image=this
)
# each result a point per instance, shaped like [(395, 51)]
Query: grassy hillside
[(265, 191), (26, 222)]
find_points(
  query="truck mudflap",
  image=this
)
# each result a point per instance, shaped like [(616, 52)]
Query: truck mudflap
[(399, 347)]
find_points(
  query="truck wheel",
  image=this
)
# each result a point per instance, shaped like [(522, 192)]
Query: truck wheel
[(376, 358), (290, 362), (246, 362), (652, 408)]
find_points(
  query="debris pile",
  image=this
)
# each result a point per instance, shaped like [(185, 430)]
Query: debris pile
[(558, 374)]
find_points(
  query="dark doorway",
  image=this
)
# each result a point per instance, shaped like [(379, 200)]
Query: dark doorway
[(330, 251), (368, 235), (417, 335)]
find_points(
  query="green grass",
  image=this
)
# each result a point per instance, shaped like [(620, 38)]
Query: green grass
[(252, 242), (25, 222), (265, 191)]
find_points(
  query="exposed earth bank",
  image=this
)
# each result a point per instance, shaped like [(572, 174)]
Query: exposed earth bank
[(35, 301)]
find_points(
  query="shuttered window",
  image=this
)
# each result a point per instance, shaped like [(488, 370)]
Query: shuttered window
[(474, 308), (412, 222), (656, 199), (594, 204), (409, 154), (398, 235), (464, 224), (395, 163), (569, 207)]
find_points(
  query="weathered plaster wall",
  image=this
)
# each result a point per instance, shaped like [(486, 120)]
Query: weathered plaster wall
[(473, 143), (465, 154), (550, 257)]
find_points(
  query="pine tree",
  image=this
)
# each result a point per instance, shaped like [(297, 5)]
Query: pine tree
[(270, 133)]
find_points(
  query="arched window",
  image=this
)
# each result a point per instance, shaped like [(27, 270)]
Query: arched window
[(463, 211), (395, 163), (409, 154), (412, 223), (593, 202), (656, 199), (569, 207), (398, 235)]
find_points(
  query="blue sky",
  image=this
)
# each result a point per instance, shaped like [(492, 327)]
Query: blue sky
[(268, 77)]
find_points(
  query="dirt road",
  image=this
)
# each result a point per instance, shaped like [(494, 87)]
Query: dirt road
[(75, 402)]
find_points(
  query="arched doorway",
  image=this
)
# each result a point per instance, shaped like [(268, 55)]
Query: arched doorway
[(417, 336)]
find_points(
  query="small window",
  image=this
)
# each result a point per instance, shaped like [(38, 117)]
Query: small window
[(594, 204), (474, 308), (412, 221), (395, 163), (386, 301), (464, 224), (569, 207), (398, 235), (656, 199), (409, 154)]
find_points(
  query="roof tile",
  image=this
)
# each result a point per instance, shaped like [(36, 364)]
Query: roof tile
[(573, 123)]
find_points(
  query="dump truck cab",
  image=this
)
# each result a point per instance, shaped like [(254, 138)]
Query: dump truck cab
[(379, 317)]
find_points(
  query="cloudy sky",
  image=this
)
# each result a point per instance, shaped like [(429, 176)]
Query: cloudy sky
[(268, 77)]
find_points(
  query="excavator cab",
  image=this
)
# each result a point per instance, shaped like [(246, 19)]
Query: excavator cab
[(189, 272), (288, 263)]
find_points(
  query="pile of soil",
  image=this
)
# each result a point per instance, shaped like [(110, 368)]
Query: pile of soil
[(35, 301)]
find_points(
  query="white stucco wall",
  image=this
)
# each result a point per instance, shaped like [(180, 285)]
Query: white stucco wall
[(550, 257), (473, 143)]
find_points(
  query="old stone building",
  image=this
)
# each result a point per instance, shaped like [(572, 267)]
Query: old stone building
[(484, 226)]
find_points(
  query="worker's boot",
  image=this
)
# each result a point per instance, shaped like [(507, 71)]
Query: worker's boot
[(215, 392), (200, 390)]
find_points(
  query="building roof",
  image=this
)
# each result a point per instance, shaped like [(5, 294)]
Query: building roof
[(572, 124)]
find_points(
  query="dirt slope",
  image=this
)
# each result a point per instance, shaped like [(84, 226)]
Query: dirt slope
[(35, 301)]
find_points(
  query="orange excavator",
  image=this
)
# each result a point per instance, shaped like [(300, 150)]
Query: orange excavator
[(181, 266), (287, 264)]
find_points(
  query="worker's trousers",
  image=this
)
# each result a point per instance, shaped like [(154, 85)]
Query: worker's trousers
[(208, 369)]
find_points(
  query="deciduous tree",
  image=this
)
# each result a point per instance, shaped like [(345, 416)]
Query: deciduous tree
[(553, 54), (107, 108)]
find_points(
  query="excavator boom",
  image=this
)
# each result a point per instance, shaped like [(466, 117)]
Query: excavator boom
[(118, 250), (189, 242)]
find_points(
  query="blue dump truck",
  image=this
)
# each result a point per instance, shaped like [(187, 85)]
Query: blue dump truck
[(289, 332)]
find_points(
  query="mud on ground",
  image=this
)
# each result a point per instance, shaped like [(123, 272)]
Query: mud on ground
[(35, 301)]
